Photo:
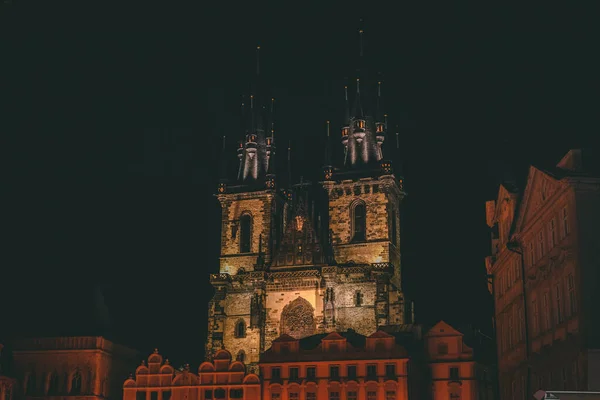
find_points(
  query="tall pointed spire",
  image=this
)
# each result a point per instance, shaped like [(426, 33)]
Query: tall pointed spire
[(328, 168)]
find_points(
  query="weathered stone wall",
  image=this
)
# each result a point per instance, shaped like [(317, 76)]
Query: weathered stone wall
[(348, 315), (257, 204), (237, 307)]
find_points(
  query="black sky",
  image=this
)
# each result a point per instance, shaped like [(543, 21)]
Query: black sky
[(114, 113)]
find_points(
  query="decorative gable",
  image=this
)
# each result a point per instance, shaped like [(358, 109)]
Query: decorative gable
[(442, 329), (540, 187), (299, 244)]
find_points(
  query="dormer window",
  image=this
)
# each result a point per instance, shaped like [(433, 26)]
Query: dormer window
[(269, 141), (379, 128), (360, 124), (345, 132)]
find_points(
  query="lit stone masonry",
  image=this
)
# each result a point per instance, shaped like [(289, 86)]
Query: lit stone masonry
[(381, 196), (259, 206)]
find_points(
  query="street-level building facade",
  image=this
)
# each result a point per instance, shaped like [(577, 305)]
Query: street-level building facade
[(544, 263)]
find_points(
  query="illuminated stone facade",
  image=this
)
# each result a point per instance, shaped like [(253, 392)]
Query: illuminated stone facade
[(310, 258), (82, 367), (220, 379), (544, 264)]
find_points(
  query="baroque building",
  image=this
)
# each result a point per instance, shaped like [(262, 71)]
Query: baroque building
[(544, 269), (309, 258)]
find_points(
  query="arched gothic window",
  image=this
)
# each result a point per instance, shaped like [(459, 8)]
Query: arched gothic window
[(245, 233), (359, 222), (53, 384), (358, 299), (240, 329), (31, 384), (241, 356), (76, 383)]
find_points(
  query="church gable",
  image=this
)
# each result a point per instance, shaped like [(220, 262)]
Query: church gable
[(443, 329), (300, 244), (539, 188)]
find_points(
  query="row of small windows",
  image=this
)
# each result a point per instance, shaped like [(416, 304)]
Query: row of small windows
[(543, 243), (334, 372), (334, 395), (71, 387)]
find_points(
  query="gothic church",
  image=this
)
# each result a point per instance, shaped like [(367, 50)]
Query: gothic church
[(312, 257)]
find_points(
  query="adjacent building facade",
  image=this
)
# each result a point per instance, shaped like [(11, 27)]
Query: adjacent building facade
[(8, 385), (90, 367), (545, 262)]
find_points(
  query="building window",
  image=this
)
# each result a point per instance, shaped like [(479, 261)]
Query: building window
[(442, 348), (390, 395), (294, 375), (76, 383), (8, 393), (53, 384), (208, 394), (509, 273), (311, 396), (535, 323), (371, 370), (245, 233), (275, 396), (166, 395), (237, 393), (241, 356), (510, 329), (139, 395), (311, 372), (571, 290), (153, 395), (390, 371), (351, 371), (541, 244), (372, 395), (531, 254), (220, 394), (276, 373), (359, 214), (517, 268), (334, 372), (240, 329), (546, 311), (454, 376), (559, 305), (294, 395), (565, 222), (552, 232), (31, 384), (358, 299), (334, 395), (352, 395), (521, 324)]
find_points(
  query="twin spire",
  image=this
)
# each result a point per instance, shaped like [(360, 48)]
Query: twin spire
[(363, 132)]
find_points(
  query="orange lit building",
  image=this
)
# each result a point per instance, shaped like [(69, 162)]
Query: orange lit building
[(455, 374), (546, 240), (89, 367), (221, 379), (339, 366)]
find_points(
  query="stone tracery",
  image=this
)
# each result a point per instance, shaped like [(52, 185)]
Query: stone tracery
[(298, 319)]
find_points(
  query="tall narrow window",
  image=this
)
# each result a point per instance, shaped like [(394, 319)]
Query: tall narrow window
[(31, 384), (53, 384), (240, 329), (531, 254), (559, 304), (394, 229), (546, 311), (535, 322), (510, 330), (517, 267), (552, 232), (571, 290), (521, 322), (541, 244), (565, 222), (76, 383), (359, 218), (245, 233), (358, 300), (241, 356)]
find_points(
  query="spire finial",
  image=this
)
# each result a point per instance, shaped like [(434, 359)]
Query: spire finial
[(360, 33), (379, 89), (357, 85), (346, 92), (397, 138), (327, 128), (224, 142), (257, 60)]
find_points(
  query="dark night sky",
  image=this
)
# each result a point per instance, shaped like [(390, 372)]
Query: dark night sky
[(115, 112)]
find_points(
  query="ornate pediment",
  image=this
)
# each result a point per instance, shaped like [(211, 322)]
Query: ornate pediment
[(539, 189)]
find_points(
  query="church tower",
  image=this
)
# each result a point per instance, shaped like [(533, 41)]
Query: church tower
[(250, 220), (364, 199)]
